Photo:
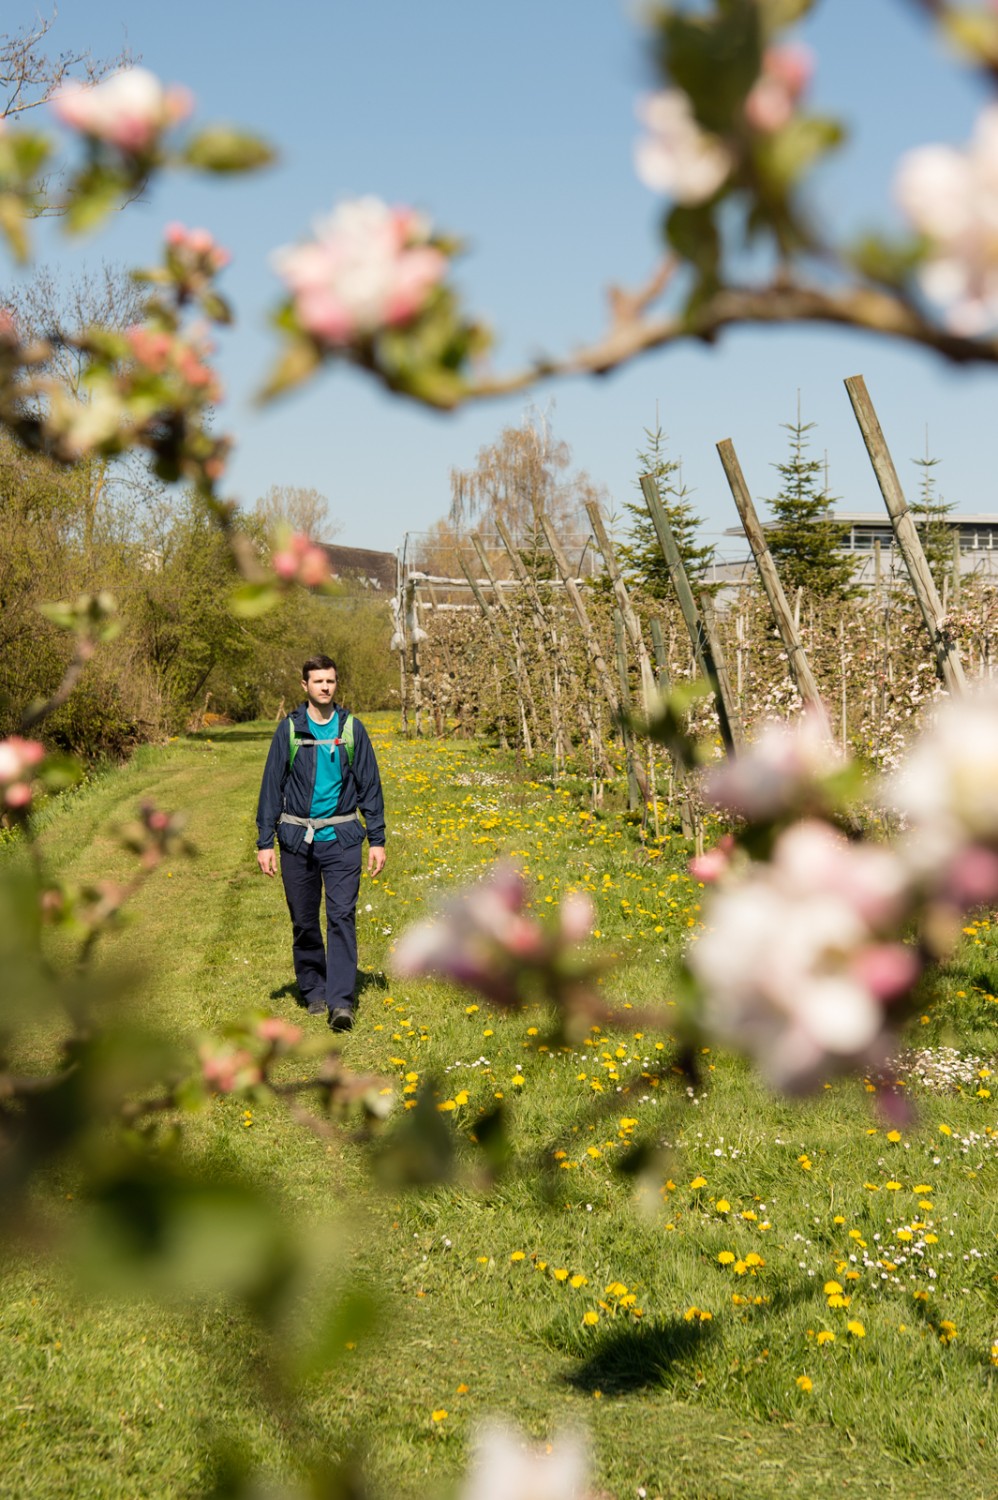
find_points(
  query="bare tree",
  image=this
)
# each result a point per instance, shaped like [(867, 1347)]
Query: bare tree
[(29, 75), (524, 474), (304, 510)]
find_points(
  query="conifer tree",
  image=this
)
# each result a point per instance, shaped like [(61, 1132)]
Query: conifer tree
[(934, 531), (642, 556), (805, 541)]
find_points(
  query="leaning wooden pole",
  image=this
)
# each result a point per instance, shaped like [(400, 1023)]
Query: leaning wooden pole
[(797, 662), (545, 633), (632, 625), (495, 636), (522, 676), (588, 633), (702, 653), (943, 645)]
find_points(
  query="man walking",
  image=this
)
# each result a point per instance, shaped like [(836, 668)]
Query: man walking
[(321, 774)]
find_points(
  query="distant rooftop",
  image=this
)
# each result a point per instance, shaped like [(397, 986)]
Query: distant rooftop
[(377, 570)]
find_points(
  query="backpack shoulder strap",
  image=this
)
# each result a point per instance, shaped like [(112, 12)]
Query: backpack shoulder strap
[(293, 743), (346, 735)]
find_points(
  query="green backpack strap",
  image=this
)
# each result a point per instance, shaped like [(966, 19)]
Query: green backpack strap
[(344, 738), (346, 735)]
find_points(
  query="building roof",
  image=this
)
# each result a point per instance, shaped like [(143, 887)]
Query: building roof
[(376, 569)]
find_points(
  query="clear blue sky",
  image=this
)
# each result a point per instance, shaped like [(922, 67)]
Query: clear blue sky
[(513, 126)]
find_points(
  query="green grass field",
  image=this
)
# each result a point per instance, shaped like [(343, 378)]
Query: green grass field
[(790, 1299)]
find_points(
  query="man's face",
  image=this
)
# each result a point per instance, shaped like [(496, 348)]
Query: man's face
[(320, 687)]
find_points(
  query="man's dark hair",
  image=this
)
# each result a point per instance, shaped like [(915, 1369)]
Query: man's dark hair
[(318, 663)]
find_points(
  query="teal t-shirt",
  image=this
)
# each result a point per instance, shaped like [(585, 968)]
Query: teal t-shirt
[(328, 779)]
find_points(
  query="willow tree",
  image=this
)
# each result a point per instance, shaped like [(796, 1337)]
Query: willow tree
[(526, 472)]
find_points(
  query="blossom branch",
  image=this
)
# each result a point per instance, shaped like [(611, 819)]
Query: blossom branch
[(870, 309)]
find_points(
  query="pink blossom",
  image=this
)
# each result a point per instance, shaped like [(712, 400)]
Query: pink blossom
[(780, 774), (677, 157), (713, 863), (576, 916), (950, 196), (229, 1068), (128, 110), (947, 788), (484, 939), (274, 1029), (300, 560), (197, 246), (793, 967), (786, 73), (18, 758), (506, 1467), (369, 267)]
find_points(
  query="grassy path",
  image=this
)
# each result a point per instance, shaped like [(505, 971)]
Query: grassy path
[(695, 1379)]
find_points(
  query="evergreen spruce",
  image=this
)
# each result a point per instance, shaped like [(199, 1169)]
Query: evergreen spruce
[(642, 557), (934, 531), (805, 541)]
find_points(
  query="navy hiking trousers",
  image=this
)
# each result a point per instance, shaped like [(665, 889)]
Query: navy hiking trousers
[(331, 974)]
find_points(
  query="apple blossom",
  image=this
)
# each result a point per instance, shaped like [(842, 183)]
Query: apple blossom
[(369, 267), (950, 196), (677, 157), (505, 1467), (780, 774), (797, 962), (786, 73), (300, 560), (18, 758), (483, 939), (129, 110)]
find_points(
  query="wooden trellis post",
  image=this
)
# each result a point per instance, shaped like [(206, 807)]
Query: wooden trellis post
[(706, 652), (588, 633), (497, 638), (633, 626), (552, 681), (797, 662), (944, 647), (522, 677), (633, 789)]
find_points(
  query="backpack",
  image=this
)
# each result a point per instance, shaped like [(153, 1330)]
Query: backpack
[(345, 738)]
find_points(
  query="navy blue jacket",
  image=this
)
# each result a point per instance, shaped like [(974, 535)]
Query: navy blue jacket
[(287, 788)]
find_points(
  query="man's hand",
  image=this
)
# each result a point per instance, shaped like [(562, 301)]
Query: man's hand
[(375, 860), (267, 860)]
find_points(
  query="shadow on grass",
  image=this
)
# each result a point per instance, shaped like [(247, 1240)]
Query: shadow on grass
[(639, 1355), (289, 991), (220, 733), (371, 979)]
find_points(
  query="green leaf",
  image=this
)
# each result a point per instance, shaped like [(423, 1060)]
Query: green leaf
[(92, 195), (299, 361), (889, 262), (12, 226), (784, 157), (224, 149), (714, 59), (250, 600), (692, 233), (215, 307)]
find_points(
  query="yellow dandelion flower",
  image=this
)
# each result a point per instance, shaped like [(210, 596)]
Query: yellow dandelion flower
[(723, 1206), (856, 1328), (590, 1318), (825, 1337), (561, 1274), (805, 1382), (699, 1182), (727, 1257), (579, 1280), (438, 1415), (518, 1255), (831, 1287)]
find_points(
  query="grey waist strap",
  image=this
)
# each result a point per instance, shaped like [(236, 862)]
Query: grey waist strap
[(311, 824)]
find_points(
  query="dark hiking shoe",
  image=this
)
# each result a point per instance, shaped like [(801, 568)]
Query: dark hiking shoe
[(340, 1019), (316, 1005)]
